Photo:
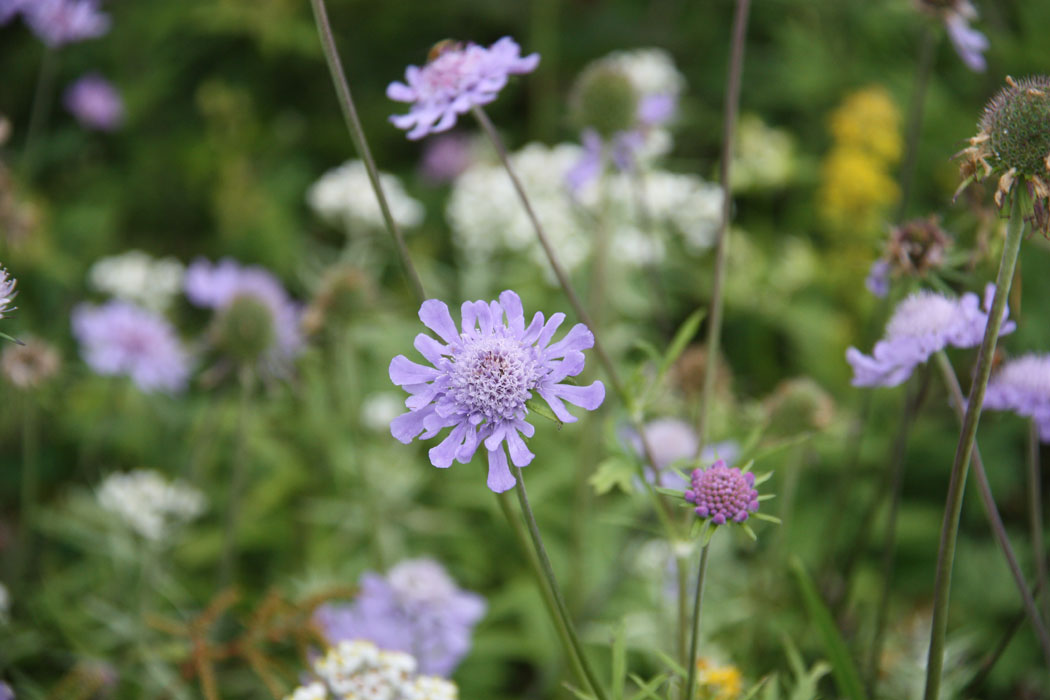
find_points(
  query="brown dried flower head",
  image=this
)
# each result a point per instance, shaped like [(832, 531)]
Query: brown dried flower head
[(918, 246), (30, 365)]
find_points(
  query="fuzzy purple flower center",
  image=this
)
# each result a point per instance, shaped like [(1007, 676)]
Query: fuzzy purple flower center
[(494, 377), (723, 494)]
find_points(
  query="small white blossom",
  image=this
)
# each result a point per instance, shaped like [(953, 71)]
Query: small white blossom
[(136, 277), (148, 503), (344, 196), (379, 409), (651, 71), (764, 157)]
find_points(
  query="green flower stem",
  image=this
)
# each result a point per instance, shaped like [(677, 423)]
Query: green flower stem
[(714, 317), (562, 612), (989, 661), (690, 684), (994, 519), (964, 451), (541, 584), (30, 481), (357, 135), (1035, 513), (681, 565), (237, 476)]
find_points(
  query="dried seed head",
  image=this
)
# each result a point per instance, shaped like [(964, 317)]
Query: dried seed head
[(604, 99), (1017, 122), (245, 328), (918, 246)]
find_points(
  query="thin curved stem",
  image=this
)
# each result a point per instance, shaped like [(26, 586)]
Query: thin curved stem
[(30, 482), (714, 317), (994, 519), (574, 644), (1035, 512), (964, 451), (237, 477), (995, 654), (357, 135), (698, 601)]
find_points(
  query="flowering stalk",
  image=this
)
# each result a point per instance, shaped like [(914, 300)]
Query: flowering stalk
[(994, 520), (574, 645), (714, 320), (690, 684), (964, 449), (1035, 512), (229, 537), (357, 135)]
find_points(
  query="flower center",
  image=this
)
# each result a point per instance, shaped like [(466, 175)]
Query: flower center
[(922, 315), (494, 377), (448, 71)]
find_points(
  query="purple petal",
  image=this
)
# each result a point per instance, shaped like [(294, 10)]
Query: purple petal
[(550, 329), (519, 452), (969, 43), (511, 304), (400, 92), (435, 316), (500, 479), (430, 348), (586, 397), (404, 371), (408, 425), (443, 454), (579, 338)]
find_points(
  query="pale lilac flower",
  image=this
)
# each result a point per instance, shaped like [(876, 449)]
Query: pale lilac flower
[(878, 279), (445, 158), (921, 325), (118, 338), (5, 692), (673, 440), (723, 494), (215, 286), (1022, 385), (482, 376), (95, 103), (969, 43), (455, 80), (7, 292), (416, 608), (8, 9), (59, 22)]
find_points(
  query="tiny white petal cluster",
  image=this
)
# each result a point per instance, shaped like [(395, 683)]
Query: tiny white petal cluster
[(148, 503), (344, 197), (651, 71), (765, 156), (359, 670), (377, 410), (136, 277)]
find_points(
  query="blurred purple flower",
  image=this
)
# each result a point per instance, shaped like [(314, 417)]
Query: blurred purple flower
[(8, 9), (455, 80), (921, 325), (673, 440), (656, 110), (7, 292), (878, 279), (482, 378), (445, 157), (119, 338), (969, 43), (60, 22), (723, 494), (95, 103), (5, 692), (1022, 385), (416, 608), (215, 286), (623, 151)]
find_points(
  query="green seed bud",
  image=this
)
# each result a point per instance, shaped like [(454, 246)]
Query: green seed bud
[(604, 99), (1017, 122), (244, 329)]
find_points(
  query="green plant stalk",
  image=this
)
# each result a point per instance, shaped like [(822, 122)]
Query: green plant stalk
[(541, 584), (690, 683), (574, 645), (1035, 513), (714, 318), (989, 661), (45, 85), (964, 451), (357, 135), (994, 519), (30, 482), (682, 574), (246, 379)]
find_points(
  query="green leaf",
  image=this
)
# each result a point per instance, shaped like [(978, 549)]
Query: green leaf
[(671, 663), (648, 690), (539, 407), (614, 472), (5, 336), (685, 333), (757, 687), (619, 660), (842, 667)]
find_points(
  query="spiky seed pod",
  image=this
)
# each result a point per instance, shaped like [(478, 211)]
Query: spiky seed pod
[(604, 99), (244, 329)]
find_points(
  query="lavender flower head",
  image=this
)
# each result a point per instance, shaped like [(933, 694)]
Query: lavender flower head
[(455, 79), (7, 292), (1022, 385), (921, 325), (878, 279), (60, 22), (119, 338), (969, 43), (446, 157), (723, 494), (218, 286), (416, 608), (672, 440), (95, 103), (482, 375)]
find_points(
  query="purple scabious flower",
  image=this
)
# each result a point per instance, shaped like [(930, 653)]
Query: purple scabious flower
[(217, 286), (453, 81), (672, 440), (969, 43), (445, 158), (878, 279), (1022, 385), (60, 22), (482, 375), (723, 494), (921, 325), (119, 338), (95, 103), (7, 292), (416, 608)]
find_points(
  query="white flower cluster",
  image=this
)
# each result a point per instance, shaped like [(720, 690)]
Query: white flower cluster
[(486, 215), (651, 71), (136, 277), (765, 156), (148, 503), (344, 197), (359, 670)]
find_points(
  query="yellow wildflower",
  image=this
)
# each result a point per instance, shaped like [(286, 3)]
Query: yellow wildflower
[(868, 121), (718, 682), (855, 189)]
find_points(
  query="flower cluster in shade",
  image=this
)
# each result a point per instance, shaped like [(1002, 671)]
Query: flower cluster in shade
[(58, 22), (656, 84), (7, 292), (455, 79), (1022, 385), (344, 196), (722, 494), (95, 103), (968, 42), (121, 339), (136, 277), (672, 440), (415, 608), (218, 285), (482, 374), (487, 219), (359, 670), (924, 323), (149, 504)]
